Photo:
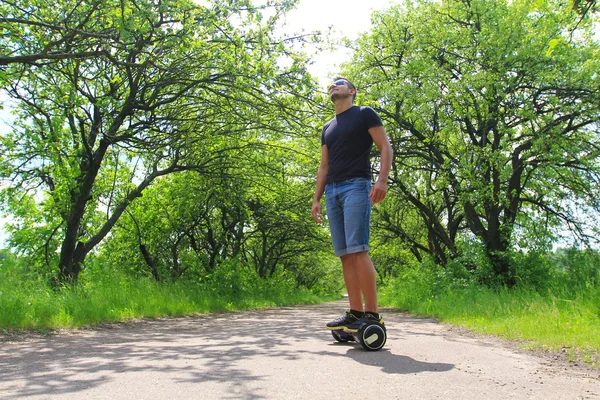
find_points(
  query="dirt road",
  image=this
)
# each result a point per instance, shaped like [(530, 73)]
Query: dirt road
[(280, 354)]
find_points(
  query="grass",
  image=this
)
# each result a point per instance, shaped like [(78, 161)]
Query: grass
[(30, 304), (559, 318)]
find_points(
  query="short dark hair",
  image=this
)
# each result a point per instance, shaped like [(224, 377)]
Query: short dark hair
[(350, 85)]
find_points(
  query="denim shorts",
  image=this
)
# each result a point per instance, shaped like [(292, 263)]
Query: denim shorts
[(349, 212)]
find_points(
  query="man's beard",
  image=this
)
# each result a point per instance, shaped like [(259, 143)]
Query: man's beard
[(337, 95)]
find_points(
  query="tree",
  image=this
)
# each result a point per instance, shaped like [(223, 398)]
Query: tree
[(186, 223), (253, 211), (492, 107), (113, 95), (583, 7)]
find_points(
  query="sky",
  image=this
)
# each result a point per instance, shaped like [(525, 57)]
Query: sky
[(347, 18)]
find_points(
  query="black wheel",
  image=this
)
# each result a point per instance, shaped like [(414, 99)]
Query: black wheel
[(341, 337), (372, 337)]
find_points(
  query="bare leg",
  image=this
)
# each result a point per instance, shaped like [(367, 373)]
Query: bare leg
[(352, 282), (364, 272)]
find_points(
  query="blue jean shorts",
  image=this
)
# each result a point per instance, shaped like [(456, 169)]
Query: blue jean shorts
[(349, 213)]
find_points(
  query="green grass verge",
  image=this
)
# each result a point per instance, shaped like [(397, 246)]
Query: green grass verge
[(32, 305), (561, 318)]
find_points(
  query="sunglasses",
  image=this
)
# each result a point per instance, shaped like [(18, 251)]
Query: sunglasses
[(339, 82)]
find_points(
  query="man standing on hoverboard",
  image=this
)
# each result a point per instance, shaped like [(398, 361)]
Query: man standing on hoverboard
[(345, 178)]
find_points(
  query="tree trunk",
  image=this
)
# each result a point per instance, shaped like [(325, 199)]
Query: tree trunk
[(70, 263), (149, 262), (497, 244), (498, 256)]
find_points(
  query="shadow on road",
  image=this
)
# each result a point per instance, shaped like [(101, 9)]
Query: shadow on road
[(396, 364), (200, 348)]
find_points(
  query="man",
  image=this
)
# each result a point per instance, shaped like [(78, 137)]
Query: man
[(345, 178)]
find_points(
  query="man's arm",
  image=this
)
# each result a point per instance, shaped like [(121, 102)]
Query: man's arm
[(382, 142), (317, 210)]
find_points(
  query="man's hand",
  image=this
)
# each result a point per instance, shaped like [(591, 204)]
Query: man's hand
[(317, 211), (378, 192)]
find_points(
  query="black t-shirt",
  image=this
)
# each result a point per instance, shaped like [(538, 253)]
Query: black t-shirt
[(349, 143)]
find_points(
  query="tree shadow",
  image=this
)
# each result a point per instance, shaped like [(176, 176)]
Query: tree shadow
[(202, 348)]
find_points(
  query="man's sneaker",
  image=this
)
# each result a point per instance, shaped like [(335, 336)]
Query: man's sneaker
[(341, 322), (366, 318)]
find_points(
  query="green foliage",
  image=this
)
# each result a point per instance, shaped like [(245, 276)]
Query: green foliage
[(535, 269), (584, 7), (189, 222), (492, 109), (122, 93)]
